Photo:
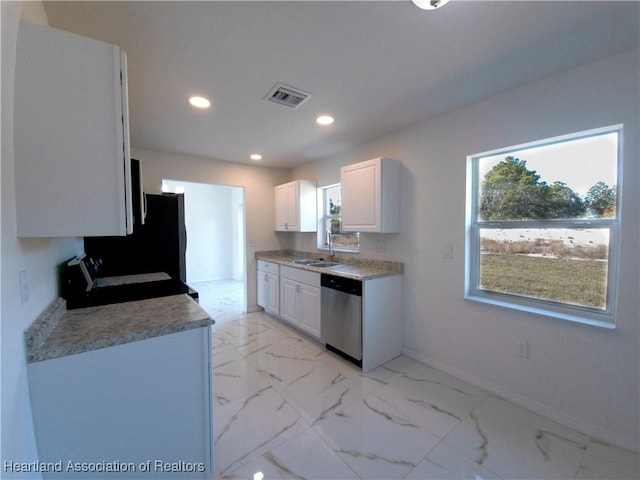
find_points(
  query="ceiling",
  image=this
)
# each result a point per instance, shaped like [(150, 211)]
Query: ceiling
[(375, 66)]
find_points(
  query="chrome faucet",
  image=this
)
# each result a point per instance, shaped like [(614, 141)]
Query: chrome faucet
[(330, 242)]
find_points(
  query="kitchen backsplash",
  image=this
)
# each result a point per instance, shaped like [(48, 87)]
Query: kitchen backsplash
[(397, 267)]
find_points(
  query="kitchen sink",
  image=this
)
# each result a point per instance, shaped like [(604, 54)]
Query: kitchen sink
[(314, 263), (323, 264)]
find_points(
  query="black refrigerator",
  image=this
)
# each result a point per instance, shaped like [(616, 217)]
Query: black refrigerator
[(158, 245), (163, 242)]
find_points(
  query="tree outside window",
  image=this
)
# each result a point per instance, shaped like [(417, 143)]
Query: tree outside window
[(544, 224), (332, 222)]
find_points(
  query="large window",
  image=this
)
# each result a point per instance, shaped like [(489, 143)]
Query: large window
[(330, 201), (542, 226)]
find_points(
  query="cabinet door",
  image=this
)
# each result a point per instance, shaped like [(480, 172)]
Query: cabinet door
[(293, 206), (289, 300), (296, 206), (72, 160), (287, 207), (361, 197), (371, 196), (282, 208), (268, 291), (262, 287), (272, 296), (309, 317)]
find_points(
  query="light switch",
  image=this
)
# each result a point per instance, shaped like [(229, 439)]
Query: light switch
[(446, 250)]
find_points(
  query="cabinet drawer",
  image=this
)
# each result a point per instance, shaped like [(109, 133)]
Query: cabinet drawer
[(300, 275), (268, 267)]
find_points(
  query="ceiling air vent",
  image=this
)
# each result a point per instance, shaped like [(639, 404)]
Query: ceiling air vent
[(287, 96)]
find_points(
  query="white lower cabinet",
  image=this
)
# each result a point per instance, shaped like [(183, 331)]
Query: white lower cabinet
[(138, 410), (289, 290), (300, 305), (268, 286), (382, 321), (300, 299), (309, 319)]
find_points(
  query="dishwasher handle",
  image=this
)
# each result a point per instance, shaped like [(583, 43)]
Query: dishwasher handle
[(341, 284)]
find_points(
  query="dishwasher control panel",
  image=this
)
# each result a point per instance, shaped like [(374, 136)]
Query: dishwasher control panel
[(342, 284)]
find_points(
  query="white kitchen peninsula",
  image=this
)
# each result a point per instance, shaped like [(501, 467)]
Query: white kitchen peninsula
[(123, 390)]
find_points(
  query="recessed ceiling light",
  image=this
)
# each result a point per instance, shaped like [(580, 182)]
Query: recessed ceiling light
[(324, 120), (256, 157), (199, 102)]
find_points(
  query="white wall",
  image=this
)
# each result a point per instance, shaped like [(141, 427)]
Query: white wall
[(238, 237), (583, 376), (209, 219), (38, 257), (259, 201)]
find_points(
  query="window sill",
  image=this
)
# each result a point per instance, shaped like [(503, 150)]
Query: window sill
[(341, 250), (586, 318)]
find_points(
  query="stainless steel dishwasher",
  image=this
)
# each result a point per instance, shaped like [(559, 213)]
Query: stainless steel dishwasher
[(341, 316)]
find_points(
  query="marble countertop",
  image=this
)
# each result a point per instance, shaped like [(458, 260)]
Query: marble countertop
[(59, 332), (349, 266)]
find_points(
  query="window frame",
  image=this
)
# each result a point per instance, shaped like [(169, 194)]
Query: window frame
[(324, 217), (576, 313)]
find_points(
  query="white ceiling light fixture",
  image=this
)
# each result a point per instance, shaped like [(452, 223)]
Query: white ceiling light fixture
[(429, 4), (256, 157), (199, 102), (325, 120)]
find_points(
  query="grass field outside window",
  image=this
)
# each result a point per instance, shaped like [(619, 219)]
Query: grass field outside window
[(542, 226)]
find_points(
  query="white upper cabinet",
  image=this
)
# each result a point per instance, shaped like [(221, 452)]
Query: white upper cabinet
[(71, 120), (296, 206), (371, 196)]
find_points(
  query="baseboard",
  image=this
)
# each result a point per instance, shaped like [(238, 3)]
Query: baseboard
[(593, 431)]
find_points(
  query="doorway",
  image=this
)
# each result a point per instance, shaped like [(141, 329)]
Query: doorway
[(215, 254)]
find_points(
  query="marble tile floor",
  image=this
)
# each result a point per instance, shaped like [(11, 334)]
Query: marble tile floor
[(289, 409), (223, 300)]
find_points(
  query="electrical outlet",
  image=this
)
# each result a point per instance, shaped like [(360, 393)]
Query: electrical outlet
[(24, 287), (523, 349), (381, 246)]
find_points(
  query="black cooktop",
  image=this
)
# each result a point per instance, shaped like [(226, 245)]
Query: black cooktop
[(84, 287), (129, 293)]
